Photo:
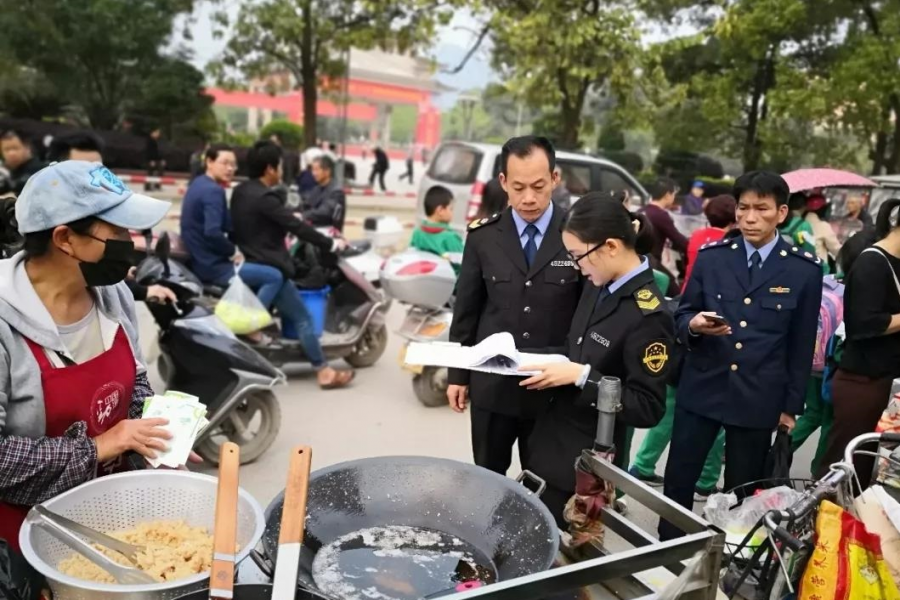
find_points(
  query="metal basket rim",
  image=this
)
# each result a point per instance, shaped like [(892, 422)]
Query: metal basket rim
[(54, 575)]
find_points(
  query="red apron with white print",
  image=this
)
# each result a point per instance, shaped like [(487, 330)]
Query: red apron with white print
[(97, 392)]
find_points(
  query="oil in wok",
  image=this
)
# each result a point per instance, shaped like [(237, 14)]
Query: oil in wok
[(398, 563)]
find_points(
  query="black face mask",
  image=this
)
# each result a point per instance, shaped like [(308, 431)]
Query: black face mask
[(112, 268)]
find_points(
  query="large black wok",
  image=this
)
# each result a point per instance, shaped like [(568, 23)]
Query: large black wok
[(498, 516)]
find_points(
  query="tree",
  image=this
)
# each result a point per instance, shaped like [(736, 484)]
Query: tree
[(752, 84), (26, 93), (290, 134), (554, 54), (171, 97), (306, 38), (95, 53), (863, 88)]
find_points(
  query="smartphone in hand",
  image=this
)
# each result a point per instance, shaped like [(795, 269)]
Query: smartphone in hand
[(715, 319)]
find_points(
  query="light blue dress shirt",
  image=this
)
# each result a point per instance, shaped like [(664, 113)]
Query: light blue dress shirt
[(542, 224), (764, 252)]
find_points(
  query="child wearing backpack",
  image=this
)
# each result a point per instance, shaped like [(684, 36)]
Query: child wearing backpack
[(818, 414)]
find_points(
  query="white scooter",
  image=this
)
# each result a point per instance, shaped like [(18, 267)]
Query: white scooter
[(426, 283)]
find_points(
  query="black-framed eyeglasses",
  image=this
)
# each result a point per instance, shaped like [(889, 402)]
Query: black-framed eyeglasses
[(578, 259)]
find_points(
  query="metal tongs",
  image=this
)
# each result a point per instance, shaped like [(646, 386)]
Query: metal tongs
[(65, 529)]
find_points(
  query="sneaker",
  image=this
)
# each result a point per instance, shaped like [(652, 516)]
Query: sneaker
[(651, 480), (700, 495), (621, 506)]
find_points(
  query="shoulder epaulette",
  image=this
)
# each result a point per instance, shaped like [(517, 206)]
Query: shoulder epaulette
[(718, 244), (647, 300), (485, 221), (804, 254)]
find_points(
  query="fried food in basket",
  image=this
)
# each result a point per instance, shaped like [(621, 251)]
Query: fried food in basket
[(174, 550)]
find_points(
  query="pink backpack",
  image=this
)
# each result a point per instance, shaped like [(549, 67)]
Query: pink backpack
[(831, 314)]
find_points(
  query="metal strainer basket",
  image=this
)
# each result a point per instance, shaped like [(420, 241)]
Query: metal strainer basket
[(118, 502)]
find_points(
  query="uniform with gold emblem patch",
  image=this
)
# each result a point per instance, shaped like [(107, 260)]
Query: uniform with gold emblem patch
[(628, 334), (744, 381)]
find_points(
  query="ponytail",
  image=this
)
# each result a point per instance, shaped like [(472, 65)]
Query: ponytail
[(883, 225), (643, 242), (600, 216)]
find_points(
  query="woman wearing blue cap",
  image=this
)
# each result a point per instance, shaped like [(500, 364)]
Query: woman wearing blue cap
[(72, 380)]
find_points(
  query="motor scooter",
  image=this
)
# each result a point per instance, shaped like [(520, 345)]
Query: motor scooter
[(426, 283), (354, 322), (200, 356)]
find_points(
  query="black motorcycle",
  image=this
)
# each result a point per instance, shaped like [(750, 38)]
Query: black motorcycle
[(200, 356)]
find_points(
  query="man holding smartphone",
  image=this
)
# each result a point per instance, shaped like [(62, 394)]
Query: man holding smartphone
[(748, 319)]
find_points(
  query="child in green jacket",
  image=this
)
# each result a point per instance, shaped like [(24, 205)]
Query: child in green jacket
[(434, 234)]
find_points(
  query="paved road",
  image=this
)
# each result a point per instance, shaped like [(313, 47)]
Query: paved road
[(377, 416)]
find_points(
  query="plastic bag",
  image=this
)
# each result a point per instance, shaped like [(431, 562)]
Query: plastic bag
[(888, 470), (847, 562), (18, 580), (738, 521), (241, 310), (874, 516), (778, 461)]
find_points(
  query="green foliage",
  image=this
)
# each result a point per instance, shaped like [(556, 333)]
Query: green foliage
[(290, 133), (95, 53), (404, 118), (171, 97), (99, 61), (27, 94), (612, 138), (307, 38), (553, 54)]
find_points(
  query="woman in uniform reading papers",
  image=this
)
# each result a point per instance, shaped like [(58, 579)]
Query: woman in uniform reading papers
[(621, 329)]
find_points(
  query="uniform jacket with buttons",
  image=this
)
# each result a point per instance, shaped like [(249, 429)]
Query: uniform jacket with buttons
[(750, 377), (497, 292), (630, 335)]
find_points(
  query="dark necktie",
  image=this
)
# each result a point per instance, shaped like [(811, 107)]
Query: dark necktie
[(755, 265), (531, 245), (603, 295)]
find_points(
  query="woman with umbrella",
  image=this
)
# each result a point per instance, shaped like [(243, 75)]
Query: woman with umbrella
[(621, 329)]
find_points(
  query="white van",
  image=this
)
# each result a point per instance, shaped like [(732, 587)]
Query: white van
[(465, 168)]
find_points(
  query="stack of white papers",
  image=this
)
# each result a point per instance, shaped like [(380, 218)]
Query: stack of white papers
[(495, 354), (187, 419)]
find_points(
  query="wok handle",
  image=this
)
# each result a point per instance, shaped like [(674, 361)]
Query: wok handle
[(293, 511), (221, 576), (541, 484), (293, 523)]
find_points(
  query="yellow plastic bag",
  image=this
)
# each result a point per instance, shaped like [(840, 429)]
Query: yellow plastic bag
[(846, 563), (241, 310)]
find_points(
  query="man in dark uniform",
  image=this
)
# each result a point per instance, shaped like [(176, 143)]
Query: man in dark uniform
[(748, 371), (515, 277)]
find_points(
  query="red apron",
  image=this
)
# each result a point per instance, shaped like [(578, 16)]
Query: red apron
[(97, 392)]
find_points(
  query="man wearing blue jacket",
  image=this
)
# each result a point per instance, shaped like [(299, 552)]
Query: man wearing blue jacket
[(205, 221), (748, 320)]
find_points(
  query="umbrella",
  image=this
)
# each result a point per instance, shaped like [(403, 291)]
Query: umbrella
[(809, 179)]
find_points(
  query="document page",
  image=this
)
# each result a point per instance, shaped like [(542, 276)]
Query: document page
[(495, 354)]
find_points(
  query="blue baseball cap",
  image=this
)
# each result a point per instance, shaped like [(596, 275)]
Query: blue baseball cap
[(699, 184), (75, 189)]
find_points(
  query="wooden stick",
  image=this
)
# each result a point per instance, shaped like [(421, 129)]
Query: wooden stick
[(221, 577)]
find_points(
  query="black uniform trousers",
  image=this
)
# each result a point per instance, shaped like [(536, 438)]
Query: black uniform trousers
[(493, 436), (692, 437)]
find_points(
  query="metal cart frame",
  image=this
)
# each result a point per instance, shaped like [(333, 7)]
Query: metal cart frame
[(616, 570)]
